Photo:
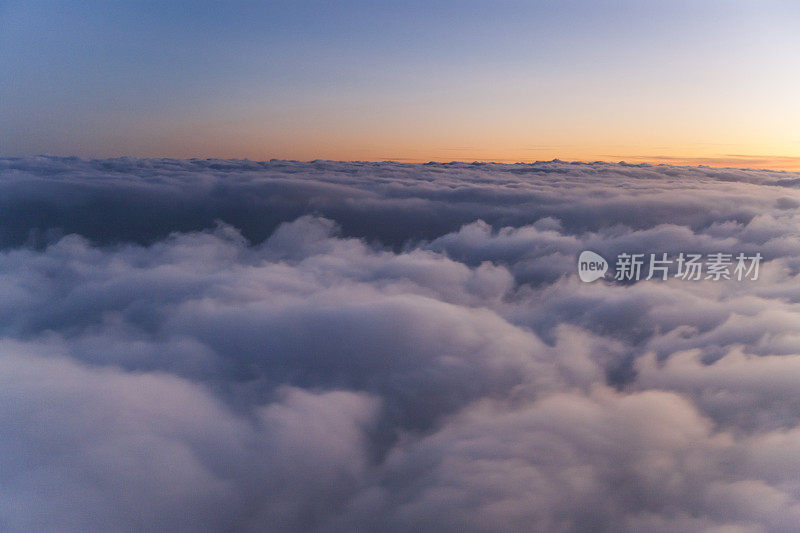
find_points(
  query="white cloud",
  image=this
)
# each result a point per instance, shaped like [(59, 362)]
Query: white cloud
[(327, 346)]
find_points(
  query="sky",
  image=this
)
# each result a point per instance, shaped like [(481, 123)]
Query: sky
[(692, 83)]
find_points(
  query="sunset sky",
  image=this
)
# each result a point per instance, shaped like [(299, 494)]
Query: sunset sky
[(711, 83), (365, 317)]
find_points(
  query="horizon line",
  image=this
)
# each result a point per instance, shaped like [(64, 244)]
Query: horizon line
[(671, 161)]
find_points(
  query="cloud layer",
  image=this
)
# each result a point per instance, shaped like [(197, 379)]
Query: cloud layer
[(284, 346)]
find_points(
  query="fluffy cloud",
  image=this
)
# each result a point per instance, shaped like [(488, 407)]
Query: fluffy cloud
[(232, 345)]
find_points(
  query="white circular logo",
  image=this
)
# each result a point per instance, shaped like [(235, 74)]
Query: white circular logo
[(591, 266)]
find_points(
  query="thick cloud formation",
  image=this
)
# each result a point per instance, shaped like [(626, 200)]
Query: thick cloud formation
[(143, 200), (284, 346)]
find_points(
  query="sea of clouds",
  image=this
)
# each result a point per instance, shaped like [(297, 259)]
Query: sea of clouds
[(216, 345)]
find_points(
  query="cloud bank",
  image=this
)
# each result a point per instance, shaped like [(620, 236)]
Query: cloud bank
[(283, 346)]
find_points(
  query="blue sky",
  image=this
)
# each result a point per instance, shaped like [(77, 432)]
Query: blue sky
[(404, 80)]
